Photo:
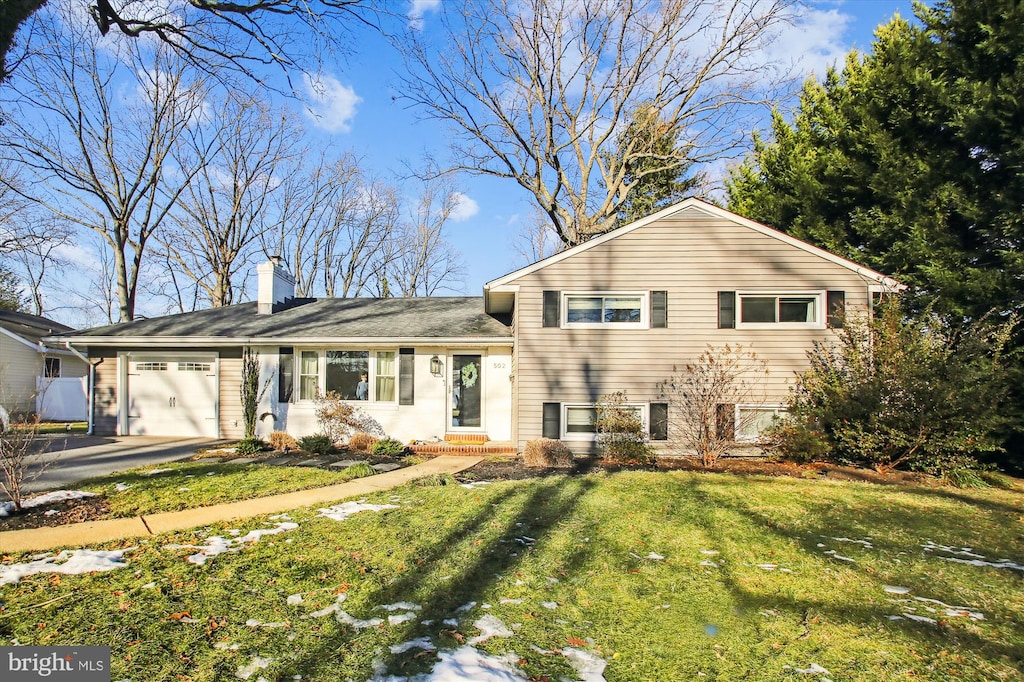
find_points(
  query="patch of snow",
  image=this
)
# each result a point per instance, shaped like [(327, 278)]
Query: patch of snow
[(7, 508), (244, 672), (552, 605), (652, 556), (767, 567), (526, 541), (294, 599), (217, 545), (224, 646), (121, 487), (506, 600), (475, 484), (465, 607), (401, 618), (453, 622), (68, 562), (148, 586), (154, 472), (333, 608), (553, 581), (401, 606), (489, 626), (254, 623), (420, 643), (51, 512), (954, 611), (280, 517), (893, 589), (340, 512), (711, 564), (589, 667), (709, 552), (834, 555), (356, 623), (814, 669), (468, 663), (923, 619), (866, 543)]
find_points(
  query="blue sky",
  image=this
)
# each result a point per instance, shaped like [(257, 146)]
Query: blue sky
[(366, 115)]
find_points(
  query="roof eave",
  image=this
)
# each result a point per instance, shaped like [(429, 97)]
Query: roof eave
[(222, 342)]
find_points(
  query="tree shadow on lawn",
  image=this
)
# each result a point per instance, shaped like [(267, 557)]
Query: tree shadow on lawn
[(964, 496), (831, 523), (540, 508)]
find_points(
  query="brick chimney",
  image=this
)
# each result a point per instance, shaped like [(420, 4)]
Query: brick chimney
[(275, 285)]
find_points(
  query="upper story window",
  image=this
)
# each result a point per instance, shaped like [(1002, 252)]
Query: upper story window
[(775, 310), (599, 310), (52, 368)]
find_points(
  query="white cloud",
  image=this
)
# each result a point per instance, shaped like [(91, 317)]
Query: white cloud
[(332, 106), (465, 208), (812, 42), (418, 8)]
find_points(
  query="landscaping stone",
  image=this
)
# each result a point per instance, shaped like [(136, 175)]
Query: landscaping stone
[(344, 463), (381, 468), (310, 463), (241, 460), (278, 460)]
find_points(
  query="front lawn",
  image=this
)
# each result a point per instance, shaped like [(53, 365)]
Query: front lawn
[(656, 576)]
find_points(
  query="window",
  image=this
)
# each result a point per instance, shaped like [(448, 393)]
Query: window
[(352, 374), (578, 420), (384, 390), (600, 309), (52, 368), (751, 420), (309, 375), (195, 367), (347, 374), (285, 373), (794, 310), (151, 366)]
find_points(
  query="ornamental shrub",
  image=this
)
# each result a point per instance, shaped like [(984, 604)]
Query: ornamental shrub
[(361, 442), (338, 418), (279, 440), (250, 446), (621, 434), (388, 447), (547, 452), (360, 470), (920, 394), (317, 444)]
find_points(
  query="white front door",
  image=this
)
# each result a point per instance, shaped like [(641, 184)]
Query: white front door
[(172, 396)]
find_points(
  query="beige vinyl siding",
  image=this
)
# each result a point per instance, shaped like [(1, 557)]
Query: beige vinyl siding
[(105, 409), (231, 423), (693, 258), (19, 367), (70, 366)]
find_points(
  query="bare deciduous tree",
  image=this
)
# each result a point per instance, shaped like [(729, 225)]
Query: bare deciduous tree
[(98, 154), (536, 91), (426, 262), (40, 260), (241, 153), (536, 240)]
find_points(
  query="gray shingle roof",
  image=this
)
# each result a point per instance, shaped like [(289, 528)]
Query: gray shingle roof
[(328, 318), (33, 327)]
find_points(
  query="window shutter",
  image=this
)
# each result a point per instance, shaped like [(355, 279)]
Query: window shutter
[(836, 308), (406, 375), (659, 308), (726, 309), (551, 309), (659, 421), (285, 373), (552, 421)]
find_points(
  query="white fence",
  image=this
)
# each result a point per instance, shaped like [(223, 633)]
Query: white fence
[(62, 399)]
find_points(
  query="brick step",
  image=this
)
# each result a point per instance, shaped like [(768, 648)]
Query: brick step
[(494, 447)]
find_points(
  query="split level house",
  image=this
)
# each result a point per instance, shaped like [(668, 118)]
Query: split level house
[(530, 358)]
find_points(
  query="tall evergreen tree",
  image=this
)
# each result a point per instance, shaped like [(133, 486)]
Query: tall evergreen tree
[(11, 298), (911, 159)]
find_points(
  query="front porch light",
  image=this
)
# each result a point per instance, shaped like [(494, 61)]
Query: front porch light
[(435, 366)]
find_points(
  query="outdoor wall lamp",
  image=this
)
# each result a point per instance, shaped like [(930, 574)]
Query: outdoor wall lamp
[(435, 366)]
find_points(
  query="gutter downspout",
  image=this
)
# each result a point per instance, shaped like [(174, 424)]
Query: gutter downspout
[(92, 383)]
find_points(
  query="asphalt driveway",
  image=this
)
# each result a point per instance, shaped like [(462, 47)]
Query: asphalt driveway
[(71, 458)]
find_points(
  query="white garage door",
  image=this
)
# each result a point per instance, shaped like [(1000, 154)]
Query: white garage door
[(172, 396)]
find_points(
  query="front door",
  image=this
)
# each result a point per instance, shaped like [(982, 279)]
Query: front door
[(467, 392)]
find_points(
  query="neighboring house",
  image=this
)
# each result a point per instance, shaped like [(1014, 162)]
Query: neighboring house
[(530, 358), (36, 376)]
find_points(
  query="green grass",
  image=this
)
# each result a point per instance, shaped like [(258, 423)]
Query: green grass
[(651, 619), (195, 484)]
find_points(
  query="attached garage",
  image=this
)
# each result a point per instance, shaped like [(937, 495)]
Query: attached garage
[(171, 395)]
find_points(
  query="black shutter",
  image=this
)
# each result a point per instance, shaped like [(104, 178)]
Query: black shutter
[(285, 373), (551, 309), (659, 421), (659, 308), (836, 309), (726, 309), (552, 421), (406, 375)]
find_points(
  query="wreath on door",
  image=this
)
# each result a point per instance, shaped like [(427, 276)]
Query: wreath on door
[(469, 375)]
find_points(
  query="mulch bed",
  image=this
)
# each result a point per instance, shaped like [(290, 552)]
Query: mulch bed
[(513, 469)]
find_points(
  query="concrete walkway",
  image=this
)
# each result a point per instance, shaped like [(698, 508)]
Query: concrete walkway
[(109, 530)]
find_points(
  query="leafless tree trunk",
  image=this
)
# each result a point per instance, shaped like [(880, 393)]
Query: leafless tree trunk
[(242, 153), (98, 154), (536, 91)]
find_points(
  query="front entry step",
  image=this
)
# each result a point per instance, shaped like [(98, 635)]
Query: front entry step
[(461, 447)]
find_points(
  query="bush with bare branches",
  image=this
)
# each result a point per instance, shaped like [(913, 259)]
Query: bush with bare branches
[(547, 452), (21, 458), (338, 418)]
